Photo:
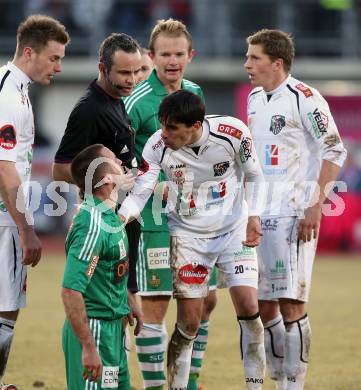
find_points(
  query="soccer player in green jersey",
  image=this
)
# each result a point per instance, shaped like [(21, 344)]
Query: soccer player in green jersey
[(171, 50), (94, 293)]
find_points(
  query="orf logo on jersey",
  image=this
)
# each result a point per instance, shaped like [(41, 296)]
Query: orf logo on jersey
[(305, 90), (272, 155), (230, 130), (7, 137), (278, 122), (221, 168), (193, 274)]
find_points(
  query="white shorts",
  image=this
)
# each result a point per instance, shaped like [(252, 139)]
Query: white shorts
[(12, 271), (192, 261), (285, 262)]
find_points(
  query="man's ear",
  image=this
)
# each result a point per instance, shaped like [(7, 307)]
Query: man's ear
[(27, 53), (101, 67)]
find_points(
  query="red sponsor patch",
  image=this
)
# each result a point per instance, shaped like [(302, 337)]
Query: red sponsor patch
[(191, 274), (92, 266), (305, 90), (230, 130), (7, 137)]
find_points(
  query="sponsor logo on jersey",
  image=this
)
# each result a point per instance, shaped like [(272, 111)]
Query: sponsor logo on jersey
[(177, 173), (193, 274), (120, 270), (271, 155), (92, 266), (219, 191), (154, 280), (245, 254), (269, 224), (143, 167), (158, 258), (221, 168), (122, 249), (110, 377), (7, 137), (245, 151), (278, 122), (332, 140), (158, 145), (229, 130), (319, 122), (305, 90)]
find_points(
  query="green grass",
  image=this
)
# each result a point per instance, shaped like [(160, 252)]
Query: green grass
[(334, 311)]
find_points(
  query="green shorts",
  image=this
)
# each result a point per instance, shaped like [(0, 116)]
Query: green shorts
[(108, 337), (154, 275)]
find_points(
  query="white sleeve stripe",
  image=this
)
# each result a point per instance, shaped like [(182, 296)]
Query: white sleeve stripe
[(131, 104), (98, 224), (135, 92), (93, 231), (134, 98)]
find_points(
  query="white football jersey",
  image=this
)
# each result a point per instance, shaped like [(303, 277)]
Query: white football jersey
[(293, 131), (207, 181), (16, 127)]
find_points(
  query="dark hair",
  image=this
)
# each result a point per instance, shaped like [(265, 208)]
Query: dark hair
[(181, 107), (171, 28), (115, 42), (81, 162), (276, 44), (37, 30)]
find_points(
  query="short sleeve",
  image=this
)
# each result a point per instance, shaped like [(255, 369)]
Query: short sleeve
[(83, 248)]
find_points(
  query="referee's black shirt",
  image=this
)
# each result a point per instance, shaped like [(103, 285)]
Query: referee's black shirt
[(97, 118)]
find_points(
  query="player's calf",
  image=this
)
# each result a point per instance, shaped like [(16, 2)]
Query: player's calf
[(6, 337)]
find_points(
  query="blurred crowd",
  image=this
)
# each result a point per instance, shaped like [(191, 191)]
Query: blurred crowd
[(327, 27)]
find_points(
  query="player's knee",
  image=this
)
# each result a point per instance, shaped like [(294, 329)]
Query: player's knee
[(268, 310), (292, 310), (209, 304)]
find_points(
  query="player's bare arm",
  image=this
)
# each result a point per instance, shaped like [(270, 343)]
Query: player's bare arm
[(75, 311), (10, 189), (310, 225), (61, 172), (135, 313)]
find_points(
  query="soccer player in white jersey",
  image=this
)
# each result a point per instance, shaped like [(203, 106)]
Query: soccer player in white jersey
[(211, 168), (301, 153), (41, 42)]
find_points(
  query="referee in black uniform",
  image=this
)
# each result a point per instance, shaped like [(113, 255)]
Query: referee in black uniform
[(100, 117)]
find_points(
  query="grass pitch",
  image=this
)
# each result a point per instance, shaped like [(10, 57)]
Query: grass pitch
[(36, 359)]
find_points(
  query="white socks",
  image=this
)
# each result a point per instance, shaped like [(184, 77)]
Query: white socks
[(150, 346), (297, 348), (274, 341), (252, 350), (179, 359)]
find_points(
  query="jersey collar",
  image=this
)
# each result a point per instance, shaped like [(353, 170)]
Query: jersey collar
[(22, 78), (158, 88)]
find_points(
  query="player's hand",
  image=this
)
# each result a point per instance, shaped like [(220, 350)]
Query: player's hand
[(135, 313), (309, 226), (253, 232), (91, 362), (124, 180), (31, 246)]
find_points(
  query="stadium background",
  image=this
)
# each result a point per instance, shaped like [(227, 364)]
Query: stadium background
[(328, 50)]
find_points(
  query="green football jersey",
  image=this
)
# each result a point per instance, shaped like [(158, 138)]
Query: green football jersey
[(142, 108), (96, 260)]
